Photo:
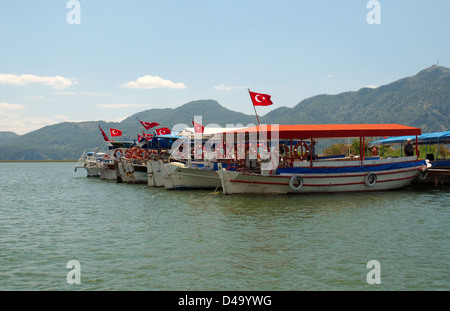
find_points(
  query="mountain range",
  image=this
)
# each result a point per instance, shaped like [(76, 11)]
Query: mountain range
[(422, 100)]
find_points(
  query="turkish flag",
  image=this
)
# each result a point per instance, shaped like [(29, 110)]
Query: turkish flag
[(115, 132), (163, 131), (103, 133), (259, 99), (148, 125), (140, 137), (147, 136), (198, 128)]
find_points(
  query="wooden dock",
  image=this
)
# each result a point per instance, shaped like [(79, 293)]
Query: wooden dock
[(438, 176)]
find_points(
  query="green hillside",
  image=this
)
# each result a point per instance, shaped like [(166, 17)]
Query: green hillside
[(6, 136), (68, 140), (421, 101)]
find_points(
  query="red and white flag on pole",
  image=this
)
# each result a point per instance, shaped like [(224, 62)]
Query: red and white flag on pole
[(198, 128), (147, 136), (105, 137), (148, 125), (115, 132), (163, 131), (260, 99)]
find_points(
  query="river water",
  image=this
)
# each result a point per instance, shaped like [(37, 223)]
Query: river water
[(132, 237)]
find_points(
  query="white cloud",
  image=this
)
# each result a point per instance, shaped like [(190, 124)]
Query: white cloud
[(6, 106), (371, 86), (61, 117), (152, 82), (120, 106), (21, 125), (96, 93), (35, 97), (64, 93), (330, 75), (56, 82), (224, 87), (11, 121)]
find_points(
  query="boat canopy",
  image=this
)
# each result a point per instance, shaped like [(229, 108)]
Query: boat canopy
[(159, 141), (428, 138), (120, 144), (207, 131), (304, 131)]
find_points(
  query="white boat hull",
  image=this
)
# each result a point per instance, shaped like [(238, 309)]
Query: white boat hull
[(108, 172), (132, 173), (154, 174), (92, 171), (373, 179), (193, 178)]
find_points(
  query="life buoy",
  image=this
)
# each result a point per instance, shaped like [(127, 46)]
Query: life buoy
[(301, 155), (283, 151), (140, 154), (423, 175), (296, 182), (370, 180), (118, 150), (129, 153)]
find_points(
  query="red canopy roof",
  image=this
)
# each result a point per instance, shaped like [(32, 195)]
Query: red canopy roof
[(303, 131)]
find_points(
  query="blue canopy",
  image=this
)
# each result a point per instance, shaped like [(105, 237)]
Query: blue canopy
[(160, 141), (429, 138)]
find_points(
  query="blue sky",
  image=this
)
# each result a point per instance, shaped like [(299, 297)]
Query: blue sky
[(129, 56)]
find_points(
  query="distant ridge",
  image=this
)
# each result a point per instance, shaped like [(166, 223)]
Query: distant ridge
[(6, 136), (422, 100)]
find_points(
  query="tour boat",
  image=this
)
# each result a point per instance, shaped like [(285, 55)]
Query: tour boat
[(200, 175), (300, 173), (193, 168), (90, 160)]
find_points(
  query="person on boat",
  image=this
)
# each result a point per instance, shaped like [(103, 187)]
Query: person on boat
[(409, 149)]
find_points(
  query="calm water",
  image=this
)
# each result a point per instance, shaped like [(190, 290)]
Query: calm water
[(131, 237)]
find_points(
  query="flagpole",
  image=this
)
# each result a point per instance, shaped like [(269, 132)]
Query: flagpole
[(259, 123), (254, 108), (142, 125)]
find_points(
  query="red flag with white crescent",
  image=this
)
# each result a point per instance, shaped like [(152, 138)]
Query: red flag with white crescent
[(260, 99), (147, 136), (198, 128), (163, 131), (115, 132), (148, 125)]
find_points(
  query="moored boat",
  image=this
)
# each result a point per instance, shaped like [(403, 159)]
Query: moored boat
[(90, 161), (303, 173), (194, 176)]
